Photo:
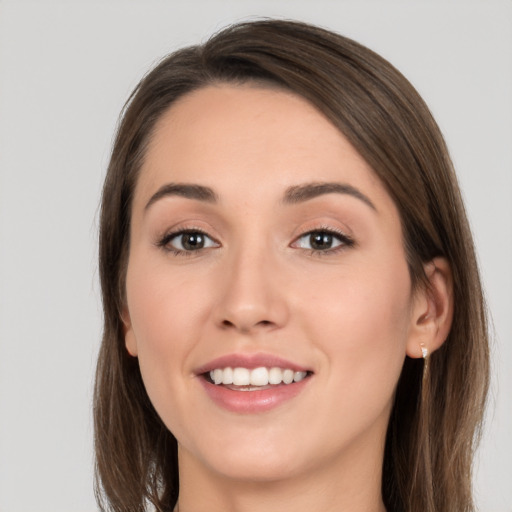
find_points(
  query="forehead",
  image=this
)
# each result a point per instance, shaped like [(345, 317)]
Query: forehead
[(247, 139)]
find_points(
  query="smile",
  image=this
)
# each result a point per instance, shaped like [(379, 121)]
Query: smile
[(246, 379), (252, 383)]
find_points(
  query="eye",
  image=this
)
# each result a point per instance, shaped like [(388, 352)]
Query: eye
[(187, 241), (322, 240)]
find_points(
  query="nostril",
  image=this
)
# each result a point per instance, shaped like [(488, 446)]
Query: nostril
[(228, 324)]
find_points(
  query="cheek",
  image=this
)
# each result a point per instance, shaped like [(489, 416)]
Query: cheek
[(360, 327), (164, 306), (165, 314)]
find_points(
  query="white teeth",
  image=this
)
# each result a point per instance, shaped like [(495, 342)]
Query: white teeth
[(217, 376), (227, 376), (298, 376), (256, 377), (288, 376), (259, 377), (275, 376), (241, 376)]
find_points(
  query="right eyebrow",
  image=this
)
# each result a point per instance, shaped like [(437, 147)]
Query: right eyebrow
[(307, 191), (188, 190)]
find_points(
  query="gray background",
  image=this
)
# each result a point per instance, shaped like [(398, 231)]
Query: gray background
[(66, 69)]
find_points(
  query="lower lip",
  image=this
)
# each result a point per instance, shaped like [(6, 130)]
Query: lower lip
[(252, 402)]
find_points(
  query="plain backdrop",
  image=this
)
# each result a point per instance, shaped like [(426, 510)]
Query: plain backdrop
[(66, 69)]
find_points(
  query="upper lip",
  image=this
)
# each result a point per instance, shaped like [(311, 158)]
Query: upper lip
[(250, 361)]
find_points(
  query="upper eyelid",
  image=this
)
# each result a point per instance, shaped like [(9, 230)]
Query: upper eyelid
[(173, 233), (333, 231)]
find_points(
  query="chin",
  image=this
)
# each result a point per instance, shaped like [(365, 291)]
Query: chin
[(254, 458), (259, 469)]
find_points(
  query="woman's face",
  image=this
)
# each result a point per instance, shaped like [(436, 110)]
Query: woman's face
[(263, 249)]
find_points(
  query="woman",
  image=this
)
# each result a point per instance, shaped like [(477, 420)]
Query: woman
[(293, 312)]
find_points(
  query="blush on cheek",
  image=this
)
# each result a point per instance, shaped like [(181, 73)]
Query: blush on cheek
[(368, 324)]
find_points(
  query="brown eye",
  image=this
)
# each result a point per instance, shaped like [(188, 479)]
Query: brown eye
[(188, 241), (192, 241), (320, 241), (323, 241)]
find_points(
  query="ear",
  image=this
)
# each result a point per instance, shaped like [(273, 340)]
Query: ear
[(432, 313), (129, 336)]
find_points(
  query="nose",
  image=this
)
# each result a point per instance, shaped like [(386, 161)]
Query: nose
[(253, 294)]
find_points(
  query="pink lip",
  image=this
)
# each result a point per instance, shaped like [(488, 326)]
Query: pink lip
[(251, 402), (249, 361)]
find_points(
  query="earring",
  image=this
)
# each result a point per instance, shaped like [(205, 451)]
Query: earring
[(424, 353)]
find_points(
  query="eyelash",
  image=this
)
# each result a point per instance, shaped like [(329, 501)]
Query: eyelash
[(345, 241), (165, 241)]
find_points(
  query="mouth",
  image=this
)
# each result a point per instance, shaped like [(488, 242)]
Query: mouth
[(252, 383), (254, 379)]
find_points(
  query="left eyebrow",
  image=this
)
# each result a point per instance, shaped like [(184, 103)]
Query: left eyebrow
[(188, 190), (302, 193)]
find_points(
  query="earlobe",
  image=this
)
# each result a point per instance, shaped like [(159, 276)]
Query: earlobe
[(432, 311), (129, 337)]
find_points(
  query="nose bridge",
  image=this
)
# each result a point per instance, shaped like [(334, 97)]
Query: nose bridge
[(252, 298)]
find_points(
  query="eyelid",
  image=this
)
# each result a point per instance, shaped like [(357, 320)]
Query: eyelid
[(344, 239), (165, 240)]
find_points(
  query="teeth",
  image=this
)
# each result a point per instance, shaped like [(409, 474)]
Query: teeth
[(275, 376), (257, 377), (298, 376), (288, 376), (217, 376), (241, 376), (227, 376)]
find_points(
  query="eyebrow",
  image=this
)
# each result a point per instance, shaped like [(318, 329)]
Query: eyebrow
[(302, 193), (293, 195), (189, 191)]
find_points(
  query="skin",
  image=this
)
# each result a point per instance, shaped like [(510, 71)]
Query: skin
[(347, 313)]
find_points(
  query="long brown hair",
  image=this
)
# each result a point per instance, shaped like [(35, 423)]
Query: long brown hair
[(434, 425)]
